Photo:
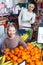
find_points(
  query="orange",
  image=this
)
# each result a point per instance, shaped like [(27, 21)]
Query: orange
[(16, 50), (7, 57), (7, 50), (38, 63), (15, 58), (12, 51), (21, 47), (32, 63), (19, 60)]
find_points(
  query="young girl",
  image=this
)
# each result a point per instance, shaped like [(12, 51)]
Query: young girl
[(12, 40)]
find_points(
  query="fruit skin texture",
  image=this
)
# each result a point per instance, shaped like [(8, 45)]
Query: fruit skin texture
[(32, 55)]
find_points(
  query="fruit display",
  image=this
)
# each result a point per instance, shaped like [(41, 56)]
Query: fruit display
[(32, 55), (2, 61)]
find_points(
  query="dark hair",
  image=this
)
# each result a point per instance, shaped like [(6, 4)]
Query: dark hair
[(35, 4)]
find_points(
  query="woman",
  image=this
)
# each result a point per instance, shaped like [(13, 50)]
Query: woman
[(12, 40), (27, 17)]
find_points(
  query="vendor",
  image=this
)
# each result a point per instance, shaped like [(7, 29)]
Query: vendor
[(12, 40), (27, 17)]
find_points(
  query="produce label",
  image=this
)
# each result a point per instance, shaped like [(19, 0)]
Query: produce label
[(23, 63), (40, 35)]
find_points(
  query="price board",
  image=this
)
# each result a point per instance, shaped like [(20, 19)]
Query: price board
[(23, 63), (40, 33)]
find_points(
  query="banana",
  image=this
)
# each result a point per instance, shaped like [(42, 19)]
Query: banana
[(3, 59), (6, 63), (24, 37), (0, 57), (16, 64), (10, 64), (37, 44)]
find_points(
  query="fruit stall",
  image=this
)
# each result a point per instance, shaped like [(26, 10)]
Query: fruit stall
[(33, 55)]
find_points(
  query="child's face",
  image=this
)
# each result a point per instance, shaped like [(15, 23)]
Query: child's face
[(11, 32)]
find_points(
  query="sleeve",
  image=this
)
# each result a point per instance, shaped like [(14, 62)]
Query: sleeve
[(22, 43), (20, 17), (3, 46), (33, 18)]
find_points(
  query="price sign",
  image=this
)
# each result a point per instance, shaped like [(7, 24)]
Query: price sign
[(40, 35), (23, 63)]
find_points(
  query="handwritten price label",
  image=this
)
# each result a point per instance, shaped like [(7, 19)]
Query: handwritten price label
[(23, 63)]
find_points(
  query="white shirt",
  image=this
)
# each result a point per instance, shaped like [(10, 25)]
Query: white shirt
[(25, 17)]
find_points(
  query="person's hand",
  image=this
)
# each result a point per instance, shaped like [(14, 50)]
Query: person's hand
[(27, 47), (30, 21), (20, 27), (3, 52)]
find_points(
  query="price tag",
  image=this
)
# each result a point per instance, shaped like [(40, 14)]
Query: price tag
[(40, 35), (23, 63)]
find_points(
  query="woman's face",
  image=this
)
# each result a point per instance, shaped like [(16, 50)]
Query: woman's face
[(11, 32), (31, 7)]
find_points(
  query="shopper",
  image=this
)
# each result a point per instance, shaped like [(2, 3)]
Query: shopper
[(27, 17), (12, 39)]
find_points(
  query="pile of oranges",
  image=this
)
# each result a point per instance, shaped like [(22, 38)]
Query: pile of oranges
[(32, 55)]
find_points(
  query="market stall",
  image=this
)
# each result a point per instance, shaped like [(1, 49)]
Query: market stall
[(33, 55)]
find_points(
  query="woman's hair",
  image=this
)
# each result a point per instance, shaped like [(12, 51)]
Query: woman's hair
[(35, 4)]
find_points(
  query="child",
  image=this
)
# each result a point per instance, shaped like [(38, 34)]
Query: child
[(12, 40)]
